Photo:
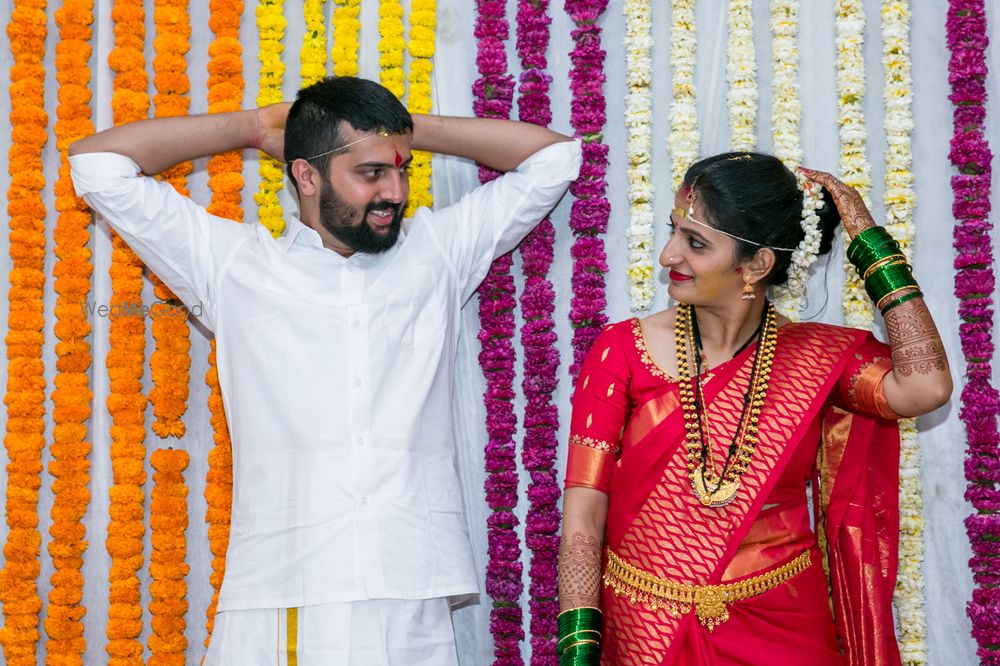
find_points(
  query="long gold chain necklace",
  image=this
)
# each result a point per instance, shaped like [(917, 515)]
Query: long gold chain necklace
[(714, 488)]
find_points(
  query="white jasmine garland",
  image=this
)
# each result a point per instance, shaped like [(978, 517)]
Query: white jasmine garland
[(786, 112), (638, 124), (682, 144), (786, 119), (788, 297), (854, 167), (909, 597), (741, 74)]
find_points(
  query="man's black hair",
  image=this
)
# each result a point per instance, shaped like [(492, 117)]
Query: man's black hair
[(313, 124)]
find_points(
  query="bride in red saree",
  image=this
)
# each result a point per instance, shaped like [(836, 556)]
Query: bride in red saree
[(686, 517)]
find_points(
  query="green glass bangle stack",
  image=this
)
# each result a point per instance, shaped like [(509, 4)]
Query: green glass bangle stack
[(894, 277), (579, 637)]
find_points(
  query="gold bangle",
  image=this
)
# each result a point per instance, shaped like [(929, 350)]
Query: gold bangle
[(569, 610), (884, 262), (888, 297), (585, 641), (580, 631)]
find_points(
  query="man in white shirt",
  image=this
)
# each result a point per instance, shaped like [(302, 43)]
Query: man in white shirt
[(336, 347)]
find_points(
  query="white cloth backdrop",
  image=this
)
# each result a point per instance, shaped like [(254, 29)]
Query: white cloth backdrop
[(941, 435)]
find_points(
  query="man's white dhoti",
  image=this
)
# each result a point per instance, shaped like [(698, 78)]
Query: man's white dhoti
[(377, 632)]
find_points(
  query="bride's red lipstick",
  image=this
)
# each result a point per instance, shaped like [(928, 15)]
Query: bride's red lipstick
[(679, 277)]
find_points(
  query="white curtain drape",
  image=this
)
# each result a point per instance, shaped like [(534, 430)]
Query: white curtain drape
[(948, 580)]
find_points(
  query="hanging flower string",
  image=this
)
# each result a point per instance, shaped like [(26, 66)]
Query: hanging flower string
[(271, 25), (71, 398), (900, 202), (854, 167), (25, 396), (590, 210), (391, 46), (312, 57), (639, 128), (168, 520), (225, 179), (741, 73), (125, 360), (346, 28), (170, 363), (786, 120), (975, 286), (683, 141), (541, 359), (423, 20), (493, 93)]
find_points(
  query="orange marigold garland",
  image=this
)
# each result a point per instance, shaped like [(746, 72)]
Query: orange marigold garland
[(25, 397), (271, 25), (71, 399), (225, 93), (125, 361), (346, 28), (423, 20), (170, 363), (168, 520), (218, 488)]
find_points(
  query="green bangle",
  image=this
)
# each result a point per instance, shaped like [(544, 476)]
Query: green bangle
[(866, 240), (585, 617), (870, 246), (592, 634), (901, 300), (888, 279), (581, 654)]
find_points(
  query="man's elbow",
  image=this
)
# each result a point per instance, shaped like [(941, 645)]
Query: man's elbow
[(76, 148)]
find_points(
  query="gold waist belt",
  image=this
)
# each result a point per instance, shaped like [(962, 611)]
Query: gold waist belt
[(709, 601)]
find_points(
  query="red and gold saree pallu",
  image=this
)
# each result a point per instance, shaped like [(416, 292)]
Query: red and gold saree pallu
[(657, 526)]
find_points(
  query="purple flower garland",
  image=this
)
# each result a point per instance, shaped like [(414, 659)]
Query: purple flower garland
[(974, 286), (589, 215), (541, 360), (494, 92)]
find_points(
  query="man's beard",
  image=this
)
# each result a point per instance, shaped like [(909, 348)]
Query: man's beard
[(337, 217)]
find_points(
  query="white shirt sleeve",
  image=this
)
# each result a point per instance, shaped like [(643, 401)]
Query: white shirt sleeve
[(492, 219), (177, 239)]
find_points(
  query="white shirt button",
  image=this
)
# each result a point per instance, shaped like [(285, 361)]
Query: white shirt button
[(357, 382), (364, 500), (361, 441), (357, 322)]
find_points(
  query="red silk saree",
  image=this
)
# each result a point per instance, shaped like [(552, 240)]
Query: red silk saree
[(820, 421)]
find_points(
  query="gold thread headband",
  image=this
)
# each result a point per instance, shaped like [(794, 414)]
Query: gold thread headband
[(348, 145), (688, 215)]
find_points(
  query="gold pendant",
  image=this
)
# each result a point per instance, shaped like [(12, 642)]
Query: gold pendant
[(725, 494)]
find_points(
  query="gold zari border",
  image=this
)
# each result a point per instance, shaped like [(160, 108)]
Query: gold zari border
[(708, 601)]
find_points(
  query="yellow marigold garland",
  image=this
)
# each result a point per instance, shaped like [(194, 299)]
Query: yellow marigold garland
[(168, 520), (125, 361), (271, 26), (346, 28), (170, 363), (25, 396), (312, 57), (225, 93), (390, 46), (71, 398), (423, 20)]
